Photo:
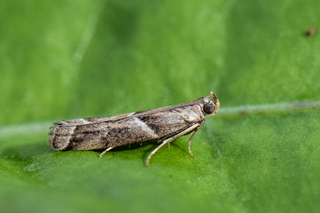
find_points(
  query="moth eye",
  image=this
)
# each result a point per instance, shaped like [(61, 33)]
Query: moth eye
[(208, 108)]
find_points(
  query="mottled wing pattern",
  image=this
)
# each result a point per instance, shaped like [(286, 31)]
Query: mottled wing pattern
[(82, 121), (103, 132)]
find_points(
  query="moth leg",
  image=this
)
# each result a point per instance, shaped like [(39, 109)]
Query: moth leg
[(104, 152), (162, 139), (168, 140), (189, 142)]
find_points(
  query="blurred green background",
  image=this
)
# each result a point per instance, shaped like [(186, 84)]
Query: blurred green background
[(70, 59)]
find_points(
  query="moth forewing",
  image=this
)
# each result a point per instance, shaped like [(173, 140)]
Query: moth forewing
[(165, 124)]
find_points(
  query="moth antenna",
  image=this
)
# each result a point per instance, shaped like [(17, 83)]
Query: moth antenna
[(216, 101)]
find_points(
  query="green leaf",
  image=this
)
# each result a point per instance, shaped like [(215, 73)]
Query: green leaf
[(71, 59)]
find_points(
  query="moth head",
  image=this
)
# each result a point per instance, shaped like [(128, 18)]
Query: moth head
[(211, 106)]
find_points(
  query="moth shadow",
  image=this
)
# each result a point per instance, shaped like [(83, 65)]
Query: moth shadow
[(25, 152), (148, 151), (146, 146)]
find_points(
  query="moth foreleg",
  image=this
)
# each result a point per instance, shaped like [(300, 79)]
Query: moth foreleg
[(189, 142), (107, 149), (168, 140)]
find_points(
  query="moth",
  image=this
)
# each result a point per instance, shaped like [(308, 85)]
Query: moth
[(164, 124)]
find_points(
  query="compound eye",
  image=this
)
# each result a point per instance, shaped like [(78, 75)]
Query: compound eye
[(208, 108)]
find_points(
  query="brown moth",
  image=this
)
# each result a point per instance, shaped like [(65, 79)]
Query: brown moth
[(165, 124)]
